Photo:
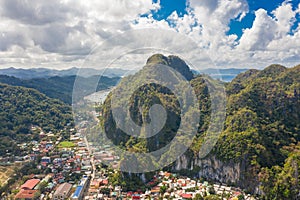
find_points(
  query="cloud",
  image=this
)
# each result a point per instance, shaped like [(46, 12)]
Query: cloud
[(214, 17), (61, 33), (260, 34), (285, 18), (267, 29), (37, 12), (271, 39), (62, 30)]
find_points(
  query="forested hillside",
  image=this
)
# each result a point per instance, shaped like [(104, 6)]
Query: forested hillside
[(261, 132), (61, 87), (22, 108)]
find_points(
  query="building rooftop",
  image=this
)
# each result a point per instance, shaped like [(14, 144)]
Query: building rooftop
[(30, 184), (63, 189), (77, 191), (25, 194)]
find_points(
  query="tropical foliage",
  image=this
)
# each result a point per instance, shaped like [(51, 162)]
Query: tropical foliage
[(261, 127), (23, 108), (62, 87)]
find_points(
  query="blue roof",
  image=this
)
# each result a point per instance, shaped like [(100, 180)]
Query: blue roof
[(78, 191)]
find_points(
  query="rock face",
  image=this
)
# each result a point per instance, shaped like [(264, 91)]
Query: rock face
[(214, 169), (211, 168)]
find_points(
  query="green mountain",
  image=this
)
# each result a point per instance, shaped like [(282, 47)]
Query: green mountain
[(261, 130), (22, 108), (61, 87), (174, 62)]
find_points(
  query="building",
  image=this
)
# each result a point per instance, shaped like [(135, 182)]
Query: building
[(30, 184), (95, 184), (46, 159), (186, 196), (26, 194), (78, 194), (62, 192)]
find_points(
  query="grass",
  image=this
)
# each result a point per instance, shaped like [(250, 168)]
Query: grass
[(66, 144), (6, 172)]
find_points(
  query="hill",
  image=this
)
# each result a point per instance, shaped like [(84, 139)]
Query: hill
[(46, 72), (22, 108), (261, 128), (172, 61), (61, 87)]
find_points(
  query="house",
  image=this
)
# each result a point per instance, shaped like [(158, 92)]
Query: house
[(136, 196), (62, 192), (186, 196), (95, 184), (26, 194), (30, 184), (49, 145), (104, 182), (155, 190), (46, 160)]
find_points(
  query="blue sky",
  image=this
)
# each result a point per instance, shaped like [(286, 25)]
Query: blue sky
[(236, 26)]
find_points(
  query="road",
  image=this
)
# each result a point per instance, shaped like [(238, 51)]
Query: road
[(91, 157)]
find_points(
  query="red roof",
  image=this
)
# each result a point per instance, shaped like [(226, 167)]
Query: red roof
[(187, 196), (105, 182), (167, 174), (25, 194), (136, 196), (30, 184)]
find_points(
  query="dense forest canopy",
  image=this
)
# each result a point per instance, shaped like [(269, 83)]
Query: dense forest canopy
[(261, 127), (22, 108)]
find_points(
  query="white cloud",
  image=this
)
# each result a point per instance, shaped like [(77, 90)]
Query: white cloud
[(117, 10), (60, 33), (270, 38), (214, 17), (63, 31), (260, 34), (285, 18)]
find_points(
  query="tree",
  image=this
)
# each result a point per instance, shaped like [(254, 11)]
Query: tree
[(198, 197), (212, 197), (211, 190), (241, 197), (105, 190), (37, 195), (162, 189), (42, 186)]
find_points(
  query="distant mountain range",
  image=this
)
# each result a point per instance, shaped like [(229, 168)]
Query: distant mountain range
[(223, 74), (61, 87), (46, 73), (226, 75)]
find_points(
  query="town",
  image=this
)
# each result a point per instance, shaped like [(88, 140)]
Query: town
[(73, 169)]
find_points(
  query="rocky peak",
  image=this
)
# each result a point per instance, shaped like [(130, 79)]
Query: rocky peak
[(172, 61)]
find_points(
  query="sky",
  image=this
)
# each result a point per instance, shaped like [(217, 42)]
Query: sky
[(62, 34)]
